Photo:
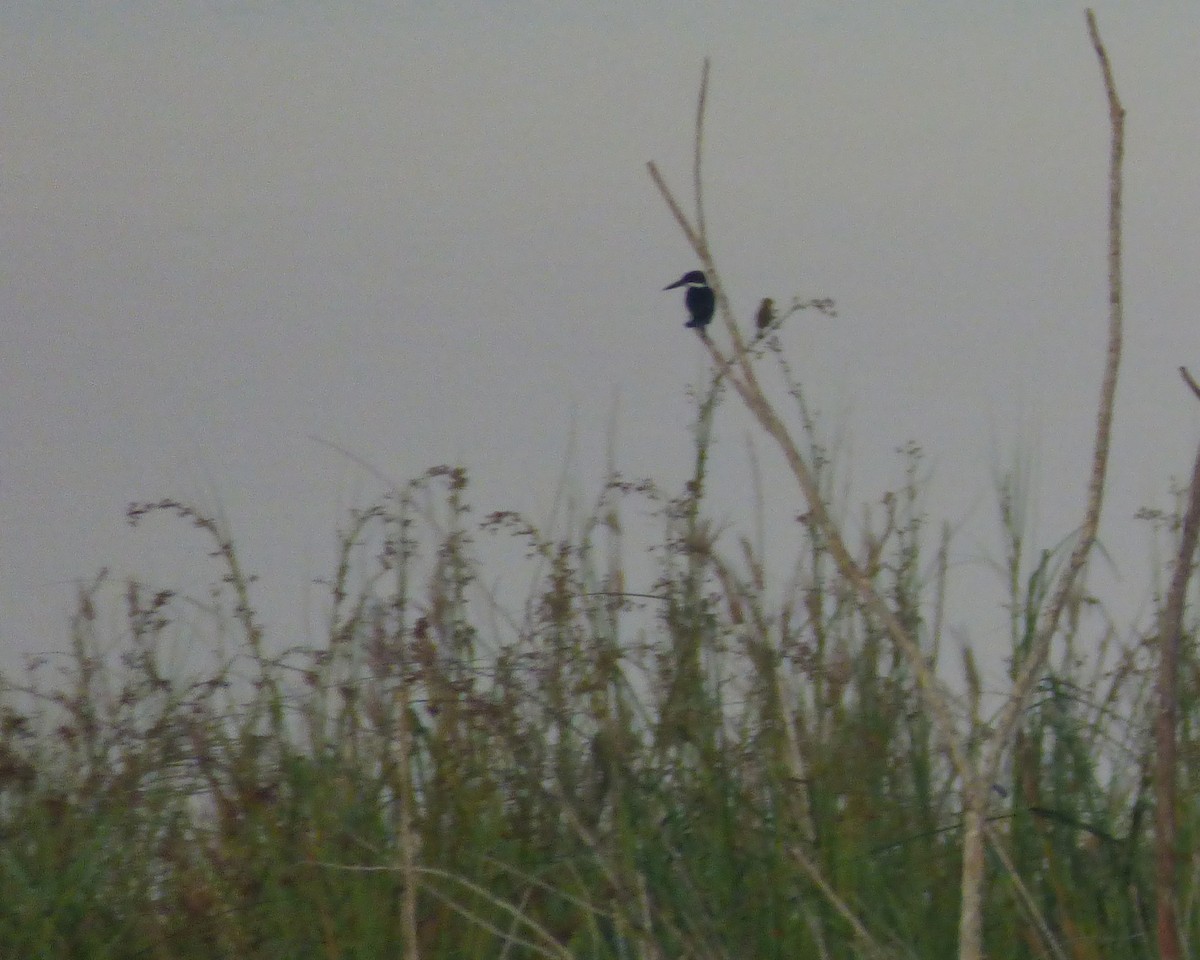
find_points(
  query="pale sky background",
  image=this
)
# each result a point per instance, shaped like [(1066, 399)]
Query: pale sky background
[(424, 232)]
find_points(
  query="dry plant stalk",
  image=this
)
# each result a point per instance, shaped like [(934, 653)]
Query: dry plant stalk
[(1009, 715), (408, 836), (1170, 635), (736, 365)]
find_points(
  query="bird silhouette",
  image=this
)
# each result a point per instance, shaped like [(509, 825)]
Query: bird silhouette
[(766, 315), (699, 299)]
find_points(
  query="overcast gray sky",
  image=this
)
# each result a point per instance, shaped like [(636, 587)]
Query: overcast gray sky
[(424, 232)]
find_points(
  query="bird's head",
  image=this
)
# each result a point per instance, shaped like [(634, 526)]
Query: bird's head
[(694, 279)]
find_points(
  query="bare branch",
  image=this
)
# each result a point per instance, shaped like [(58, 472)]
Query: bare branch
[(1040, 649), (685, 225), (701, 104), (1190, 381)]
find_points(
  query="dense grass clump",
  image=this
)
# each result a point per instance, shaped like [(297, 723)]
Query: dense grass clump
[(689, 769)]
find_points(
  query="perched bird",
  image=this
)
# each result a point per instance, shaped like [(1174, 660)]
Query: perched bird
[(699, 299), (766, 315)]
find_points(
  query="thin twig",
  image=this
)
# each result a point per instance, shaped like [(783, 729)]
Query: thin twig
[(1190, 381), (685, 225), (701, 105), (873, 948)]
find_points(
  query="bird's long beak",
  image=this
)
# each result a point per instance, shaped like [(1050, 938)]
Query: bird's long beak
[(677, 283)]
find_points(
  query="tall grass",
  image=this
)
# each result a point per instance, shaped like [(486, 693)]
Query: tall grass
[(692, 770)]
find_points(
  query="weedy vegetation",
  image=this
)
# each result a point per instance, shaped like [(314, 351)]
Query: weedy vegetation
[(698, 767)]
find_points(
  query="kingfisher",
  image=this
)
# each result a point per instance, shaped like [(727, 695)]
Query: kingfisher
[(699, 299)]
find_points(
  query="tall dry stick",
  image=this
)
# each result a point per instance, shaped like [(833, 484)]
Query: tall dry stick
[(408, 834), (698, 155), (975, 799), (1170, 635), (970, 930), (1030, 668)]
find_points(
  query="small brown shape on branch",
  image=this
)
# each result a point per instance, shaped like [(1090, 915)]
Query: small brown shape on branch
[(766, 314)]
